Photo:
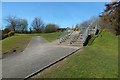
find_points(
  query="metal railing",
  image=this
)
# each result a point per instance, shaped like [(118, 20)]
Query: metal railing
[(66, 35), (87, 32), (72, 36)]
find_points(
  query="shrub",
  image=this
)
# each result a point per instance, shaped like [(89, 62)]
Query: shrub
[(4, 36), (11, 33), (51, 28), (6, 30)]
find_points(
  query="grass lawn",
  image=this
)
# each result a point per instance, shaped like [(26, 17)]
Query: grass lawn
[(100, 60), (20, 41), (48, 36), (15, 42)]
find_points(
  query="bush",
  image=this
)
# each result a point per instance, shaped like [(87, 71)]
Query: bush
[(11, 33), (6, 30), (51, 28), (4, 36)]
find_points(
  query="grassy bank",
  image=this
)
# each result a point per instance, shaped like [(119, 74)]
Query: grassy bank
[(100, 60), (20, 41), (48, 36)]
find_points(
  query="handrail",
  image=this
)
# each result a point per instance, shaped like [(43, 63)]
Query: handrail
[(74, 35), (65, 37)]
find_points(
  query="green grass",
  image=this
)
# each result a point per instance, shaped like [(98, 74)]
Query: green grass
[(100, 60), (92, 39), (15, 42), (50, 36), (20, 41)]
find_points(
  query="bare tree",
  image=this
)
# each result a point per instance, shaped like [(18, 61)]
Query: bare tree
[(37, 24), (12, 21), (22, 25), (95, 21), (84, 25), (30, 30), (111, 17), (77, 26)]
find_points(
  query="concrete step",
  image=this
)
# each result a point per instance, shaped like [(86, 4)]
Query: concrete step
[(76, 44)]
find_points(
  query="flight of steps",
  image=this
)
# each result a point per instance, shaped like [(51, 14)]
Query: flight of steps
[(78, 41), (72, 39)]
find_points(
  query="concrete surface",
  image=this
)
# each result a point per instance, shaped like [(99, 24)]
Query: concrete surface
[(38, 54)]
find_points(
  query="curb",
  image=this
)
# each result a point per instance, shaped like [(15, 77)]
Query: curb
[(49, 65)]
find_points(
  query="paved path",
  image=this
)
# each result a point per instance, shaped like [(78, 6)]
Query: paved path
[(38, 54)]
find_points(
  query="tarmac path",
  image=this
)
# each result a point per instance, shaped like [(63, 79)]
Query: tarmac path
[(38, 54)]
